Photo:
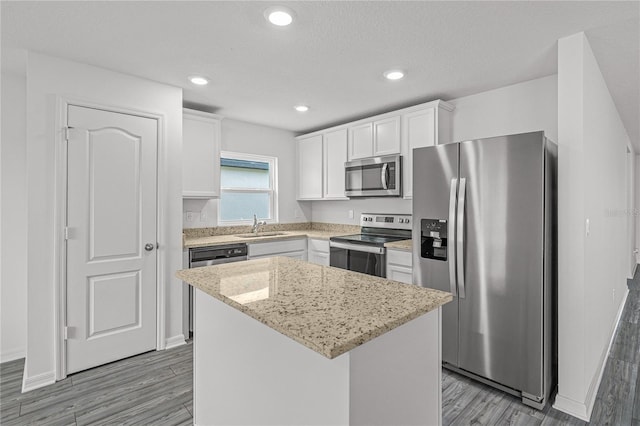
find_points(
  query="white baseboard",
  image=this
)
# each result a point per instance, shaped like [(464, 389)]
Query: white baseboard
[(582, 410), (38, 381), (12, 354), (175, 341), (569, 406)]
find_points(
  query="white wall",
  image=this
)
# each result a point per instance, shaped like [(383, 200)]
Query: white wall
[(591, 185), (239, 136), (47, 77), (523, 107), (13, 278)]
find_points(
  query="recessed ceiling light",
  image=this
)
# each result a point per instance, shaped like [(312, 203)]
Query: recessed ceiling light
[(199, 80), (393, 74), (301, 108), (279, 15)]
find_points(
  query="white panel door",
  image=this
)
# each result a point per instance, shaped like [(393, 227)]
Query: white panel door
[(111, 216), (335, 155)]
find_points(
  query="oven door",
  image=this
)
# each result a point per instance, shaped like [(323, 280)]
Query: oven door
[(358, 258)]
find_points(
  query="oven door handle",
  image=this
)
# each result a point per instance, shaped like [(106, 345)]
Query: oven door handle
[(357, 247)]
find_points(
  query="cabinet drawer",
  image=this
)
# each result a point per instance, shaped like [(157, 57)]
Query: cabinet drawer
[(400, 257), (277, 247)]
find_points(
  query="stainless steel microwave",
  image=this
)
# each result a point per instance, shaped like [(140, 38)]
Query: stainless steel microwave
[(374, 177)]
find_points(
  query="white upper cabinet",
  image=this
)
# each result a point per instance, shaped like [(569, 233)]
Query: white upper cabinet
[(386, 136), (361, 141), (427, 126), (310, 168), (380, 137), (321, 177), (335, 155), (200, 154), (321, 161)]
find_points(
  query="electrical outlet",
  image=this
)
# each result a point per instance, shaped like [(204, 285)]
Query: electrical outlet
[(189, 216), (350, 213), (203, 216), (587, 227), (296, 212)]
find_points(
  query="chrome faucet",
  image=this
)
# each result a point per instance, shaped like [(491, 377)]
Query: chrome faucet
[(257, 224)]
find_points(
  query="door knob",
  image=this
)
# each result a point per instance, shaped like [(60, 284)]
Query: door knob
[(148, 247)]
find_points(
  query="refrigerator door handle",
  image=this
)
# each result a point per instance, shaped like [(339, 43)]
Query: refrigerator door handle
[(451, 247), (460, 236)]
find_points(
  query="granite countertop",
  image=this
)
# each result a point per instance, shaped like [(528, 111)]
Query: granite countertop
[(327, 309), (202, 237), (400, 245), (213, 240)]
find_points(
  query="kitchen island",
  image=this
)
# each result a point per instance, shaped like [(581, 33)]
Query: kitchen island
[(283, 341)]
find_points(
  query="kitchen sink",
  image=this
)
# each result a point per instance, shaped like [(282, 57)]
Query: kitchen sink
[(261, 234)]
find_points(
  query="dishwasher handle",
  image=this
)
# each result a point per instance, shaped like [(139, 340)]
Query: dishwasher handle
[(218, 261)]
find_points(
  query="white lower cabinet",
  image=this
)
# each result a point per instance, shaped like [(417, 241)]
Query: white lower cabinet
[(290, 248), (399, 266), (318, 251)]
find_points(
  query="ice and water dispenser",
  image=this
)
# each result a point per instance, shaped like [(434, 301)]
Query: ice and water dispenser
[(434, 239)]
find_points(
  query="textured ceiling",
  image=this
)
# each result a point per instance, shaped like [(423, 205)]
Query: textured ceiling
[(333, 55)]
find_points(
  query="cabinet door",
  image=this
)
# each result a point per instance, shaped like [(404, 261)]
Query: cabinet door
[(310, 168), (200, 155), (319, 258), (335, 155), (361, 141), (418, 130), (386, 136)]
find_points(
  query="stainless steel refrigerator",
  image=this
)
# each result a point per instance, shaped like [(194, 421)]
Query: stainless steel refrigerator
[(484, 214)]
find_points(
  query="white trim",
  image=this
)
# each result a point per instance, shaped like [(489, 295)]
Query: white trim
[(202, 115), (12, 354), (175, 341), (60, 214), (582, 410), (38, 381), (571, 407)]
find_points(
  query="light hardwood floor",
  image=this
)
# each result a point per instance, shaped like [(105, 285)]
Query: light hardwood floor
[(155, 388)]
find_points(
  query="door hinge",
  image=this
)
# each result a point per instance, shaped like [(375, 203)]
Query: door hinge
[(66, 233), (69, 332), (67, 132)]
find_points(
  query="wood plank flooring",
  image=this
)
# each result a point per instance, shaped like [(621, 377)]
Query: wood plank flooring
[(155, 388)]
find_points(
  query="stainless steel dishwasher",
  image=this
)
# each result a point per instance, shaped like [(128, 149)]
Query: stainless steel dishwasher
[(213, 255)]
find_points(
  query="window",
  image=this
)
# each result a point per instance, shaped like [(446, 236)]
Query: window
[(248, 186)]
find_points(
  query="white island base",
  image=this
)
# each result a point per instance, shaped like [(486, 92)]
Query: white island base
[(246, 373)]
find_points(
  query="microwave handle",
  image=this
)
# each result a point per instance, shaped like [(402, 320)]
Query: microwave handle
[(383, 175)]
